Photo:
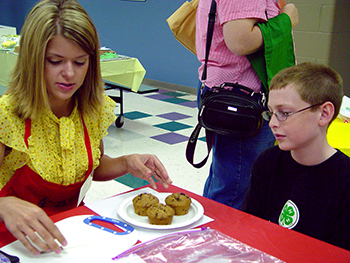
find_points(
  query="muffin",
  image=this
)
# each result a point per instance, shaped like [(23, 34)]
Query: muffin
[(160, 214), (179, 202), (142, 202)]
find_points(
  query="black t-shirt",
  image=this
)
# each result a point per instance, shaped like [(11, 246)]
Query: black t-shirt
[(314, 200)]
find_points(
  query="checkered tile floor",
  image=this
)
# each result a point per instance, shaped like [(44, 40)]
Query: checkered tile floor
[(158, 123)]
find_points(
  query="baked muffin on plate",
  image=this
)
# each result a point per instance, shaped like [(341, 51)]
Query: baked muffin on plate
[(142, 202), (180, 202), (160, 214)]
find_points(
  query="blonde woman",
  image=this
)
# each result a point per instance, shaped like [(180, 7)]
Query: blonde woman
[(53, 118)]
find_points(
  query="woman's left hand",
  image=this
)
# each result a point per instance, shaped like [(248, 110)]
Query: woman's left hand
[(145, 166)]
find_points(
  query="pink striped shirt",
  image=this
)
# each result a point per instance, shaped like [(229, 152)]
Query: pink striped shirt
[(223, 65)]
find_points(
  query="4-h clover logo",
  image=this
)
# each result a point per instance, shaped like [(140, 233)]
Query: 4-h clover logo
[(289, 216)]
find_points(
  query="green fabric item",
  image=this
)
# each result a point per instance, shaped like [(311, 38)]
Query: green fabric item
[(278, 52), (108, 56)]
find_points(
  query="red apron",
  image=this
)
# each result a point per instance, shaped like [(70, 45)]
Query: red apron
[(51, 197)]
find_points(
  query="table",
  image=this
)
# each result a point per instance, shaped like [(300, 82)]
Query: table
[(126, 71), (7, 63), (282, 243)]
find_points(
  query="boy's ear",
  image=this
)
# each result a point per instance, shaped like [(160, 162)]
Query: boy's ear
[(327, 112)]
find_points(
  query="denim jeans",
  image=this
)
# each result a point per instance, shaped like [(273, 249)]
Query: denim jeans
[(231, 166)]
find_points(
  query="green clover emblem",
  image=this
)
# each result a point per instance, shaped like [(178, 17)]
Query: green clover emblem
[(286, 217)]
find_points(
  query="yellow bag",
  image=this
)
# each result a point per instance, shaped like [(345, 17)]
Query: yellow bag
[(183, 24)]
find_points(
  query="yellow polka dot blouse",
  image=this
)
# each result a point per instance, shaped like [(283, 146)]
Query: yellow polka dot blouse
[(56, 148)]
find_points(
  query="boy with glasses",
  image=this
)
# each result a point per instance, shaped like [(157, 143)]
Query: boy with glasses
[(303, 183)]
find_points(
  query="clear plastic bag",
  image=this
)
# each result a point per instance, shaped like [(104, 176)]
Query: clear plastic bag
[(198, 245)]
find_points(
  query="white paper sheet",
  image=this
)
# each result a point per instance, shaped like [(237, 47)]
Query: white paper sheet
[(86, 244), (109, 208), (345, 107)]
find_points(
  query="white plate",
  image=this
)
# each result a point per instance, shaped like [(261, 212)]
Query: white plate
[(126, 212)]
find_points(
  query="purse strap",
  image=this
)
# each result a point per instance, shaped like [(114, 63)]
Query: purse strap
[(209, 135), (210, 30), (192, 142)]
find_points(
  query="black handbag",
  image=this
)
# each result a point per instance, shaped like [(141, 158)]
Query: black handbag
[(235, 112), (231, 109)]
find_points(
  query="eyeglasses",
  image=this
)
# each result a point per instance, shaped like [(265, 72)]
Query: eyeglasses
[(281, 115)]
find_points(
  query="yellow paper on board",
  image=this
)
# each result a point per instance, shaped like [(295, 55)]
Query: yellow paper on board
[(339, 136)]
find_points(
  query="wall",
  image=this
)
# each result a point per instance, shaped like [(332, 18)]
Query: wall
[(139, 29), (136, 29), (323, 35), (13, 14)]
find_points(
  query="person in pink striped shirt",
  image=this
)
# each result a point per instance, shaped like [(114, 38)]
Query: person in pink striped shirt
[(236, 35)]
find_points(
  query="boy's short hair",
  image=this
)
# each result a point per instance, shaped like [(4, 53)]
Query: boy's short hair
[(315, 83)]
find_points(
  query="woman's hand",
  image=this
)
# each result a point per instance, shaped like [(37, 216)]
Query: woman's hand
[(292, 12), (145, 166), (23, 219)]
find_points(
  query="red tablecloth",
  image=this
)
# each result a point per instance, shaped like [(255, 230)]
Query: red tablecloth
[(285, 244)]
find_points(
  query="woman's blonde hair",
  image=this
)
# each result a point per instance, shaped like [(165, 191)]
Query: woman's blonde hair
[(27, 88)]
